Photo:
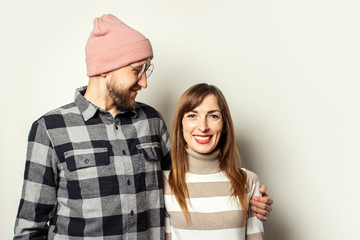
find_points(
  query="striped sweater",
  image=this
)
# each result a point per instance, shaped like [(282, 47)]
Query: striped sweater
[(214, 213)]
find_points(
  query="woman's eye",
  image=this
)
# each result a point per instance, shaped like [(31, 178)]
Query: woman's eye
[(191, 115), (214, 116)]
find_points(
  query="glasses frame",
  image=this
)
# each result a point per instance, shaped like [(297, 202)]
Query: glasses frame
[(148, 70)]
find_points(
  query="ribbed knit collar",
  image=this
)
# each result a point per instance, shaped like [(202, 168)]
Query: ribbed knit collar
[(203, 163)]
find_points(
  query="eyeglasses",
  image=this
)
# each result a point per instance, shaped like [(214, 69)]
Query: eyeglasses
[(140, 70)]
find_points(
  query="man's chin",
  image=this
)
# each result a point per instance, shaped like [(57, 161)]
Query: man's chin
[(132, 104)]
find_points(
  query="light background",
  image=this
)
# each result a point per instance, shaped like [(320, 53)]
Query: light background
[(289, 70)]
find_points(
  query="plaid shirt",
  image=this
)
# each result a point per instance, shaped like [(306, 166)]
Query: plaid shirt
[(91, 176)]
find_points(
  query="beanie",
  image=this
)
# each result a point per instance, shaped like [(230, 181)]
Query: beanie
[(112, 44)]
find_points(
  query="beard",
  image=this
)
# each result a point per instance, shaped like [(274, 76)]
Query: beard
[(120, 98)]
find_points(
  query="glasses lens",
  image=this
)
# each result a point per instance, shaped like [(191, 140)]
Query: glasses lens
[(142, 69), (149, 70)]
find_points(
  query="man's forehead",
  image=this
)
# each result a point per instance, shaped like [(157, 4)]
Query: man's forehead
[(139, 63)]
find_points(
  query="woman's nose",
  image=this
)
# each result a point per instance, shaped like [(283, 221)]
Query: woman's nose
[(203, 125)]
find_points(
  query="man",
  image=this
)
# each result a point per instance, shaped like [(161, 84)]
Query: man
[(93, 167)]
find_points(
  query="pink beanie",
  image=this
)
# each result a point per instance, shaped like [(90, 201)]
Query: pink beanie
[(112, 44)]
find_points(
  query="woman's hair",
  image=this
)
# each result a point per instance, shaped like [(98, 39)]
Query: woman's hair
[(229, 159)]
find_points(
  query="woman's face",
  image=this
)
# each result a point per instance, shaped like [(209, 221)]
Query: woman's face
[(203, 125)]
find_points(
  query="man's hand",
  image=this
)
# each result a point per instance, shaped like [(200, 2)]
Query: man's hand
[(261, 205)]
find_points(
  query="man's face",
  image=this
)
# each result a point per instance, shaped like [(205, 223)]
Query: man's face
[(123, 84)]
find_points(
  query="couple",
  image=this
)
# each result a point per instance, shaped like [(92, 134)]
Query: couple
[(94, 168)]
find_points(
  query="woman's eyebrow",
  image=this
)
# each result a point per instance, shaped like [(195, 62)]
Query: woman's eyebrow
[(210, 111), (213, 111)]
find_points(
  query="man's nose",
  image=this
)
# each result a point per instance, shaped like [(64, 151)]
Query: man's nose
[(143, 80)]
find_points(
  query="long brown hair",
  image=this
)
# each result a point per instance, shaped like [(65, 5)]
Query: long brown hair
[(229, 161)]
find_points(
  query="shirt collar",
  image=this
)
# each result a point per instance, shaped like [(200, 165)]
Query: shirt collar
[(131, 111), (88, 110)]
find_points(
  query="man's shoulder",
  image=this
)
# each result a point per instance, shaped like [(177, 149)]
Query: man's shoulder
[(58, 114), (69, 108), (148, 110)]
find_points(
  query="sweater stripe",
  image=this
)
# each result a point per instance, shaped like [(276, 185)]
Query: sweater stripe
[(208, 221), (207, 234), (204, 205), (214, 214)]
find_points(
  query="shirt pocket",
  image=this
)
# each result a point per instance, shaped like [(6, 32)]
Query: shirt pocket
[(149, 151), (87, 174), (85, 158), (150, 165)]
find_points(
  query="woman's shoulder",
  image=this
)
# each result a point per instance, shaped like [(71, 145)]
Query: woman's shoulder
[(165, 174), (167, 189), (251, 176)]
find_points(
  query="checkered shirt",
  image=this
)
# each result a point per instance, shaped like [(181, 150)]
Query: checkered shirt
[(91, 176)]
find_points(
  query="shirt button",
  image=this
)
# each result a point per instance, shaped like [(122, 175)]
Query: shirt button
[(129, 182), (86, 161), (132, 213), (124, 152)]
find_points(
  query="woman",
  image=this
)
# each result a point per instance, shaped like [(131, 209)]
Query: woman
[(206, 193)]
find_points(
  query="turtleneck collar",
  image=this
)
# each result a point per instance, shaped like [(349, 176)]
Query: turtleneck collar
[(203, 163)]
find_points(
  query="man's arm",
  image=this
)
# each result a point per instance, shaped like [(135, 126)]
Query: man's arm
[(37, 205), (262, 205), (165, 145)]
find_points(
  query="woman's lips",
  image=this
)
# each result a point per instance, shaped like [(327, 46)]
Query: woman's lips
[(202, 139)]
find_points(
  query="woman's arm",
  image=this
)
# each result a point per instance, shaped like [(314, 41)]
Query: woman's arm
[(254, 227), (261, 205)]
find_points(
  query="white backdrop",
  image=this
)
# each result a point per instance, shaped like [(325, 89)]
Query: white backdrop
[(289, 70)]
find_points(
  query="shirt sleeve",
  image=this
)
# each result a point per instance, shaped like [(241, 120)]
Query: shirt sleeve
[(165, 145), (38, 200), (254, 228)]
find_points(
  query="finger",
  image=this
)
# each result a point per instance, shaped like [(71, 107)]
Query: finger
[(262, 189), (261, 217), (267, 200), (260, 212), (262, 206)]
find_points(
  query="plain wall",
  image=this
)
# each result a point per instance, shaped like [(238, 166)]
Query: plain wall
[(289, 70)]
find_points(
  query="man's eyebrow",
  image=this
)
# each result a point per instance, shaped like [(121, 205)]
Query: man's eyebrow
[(139, 65)]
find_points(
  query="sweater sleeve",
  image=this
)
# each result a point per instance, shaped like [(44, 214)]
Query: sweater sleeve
[(254, 228), (38, 200), (167, 226), (167, 191)]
